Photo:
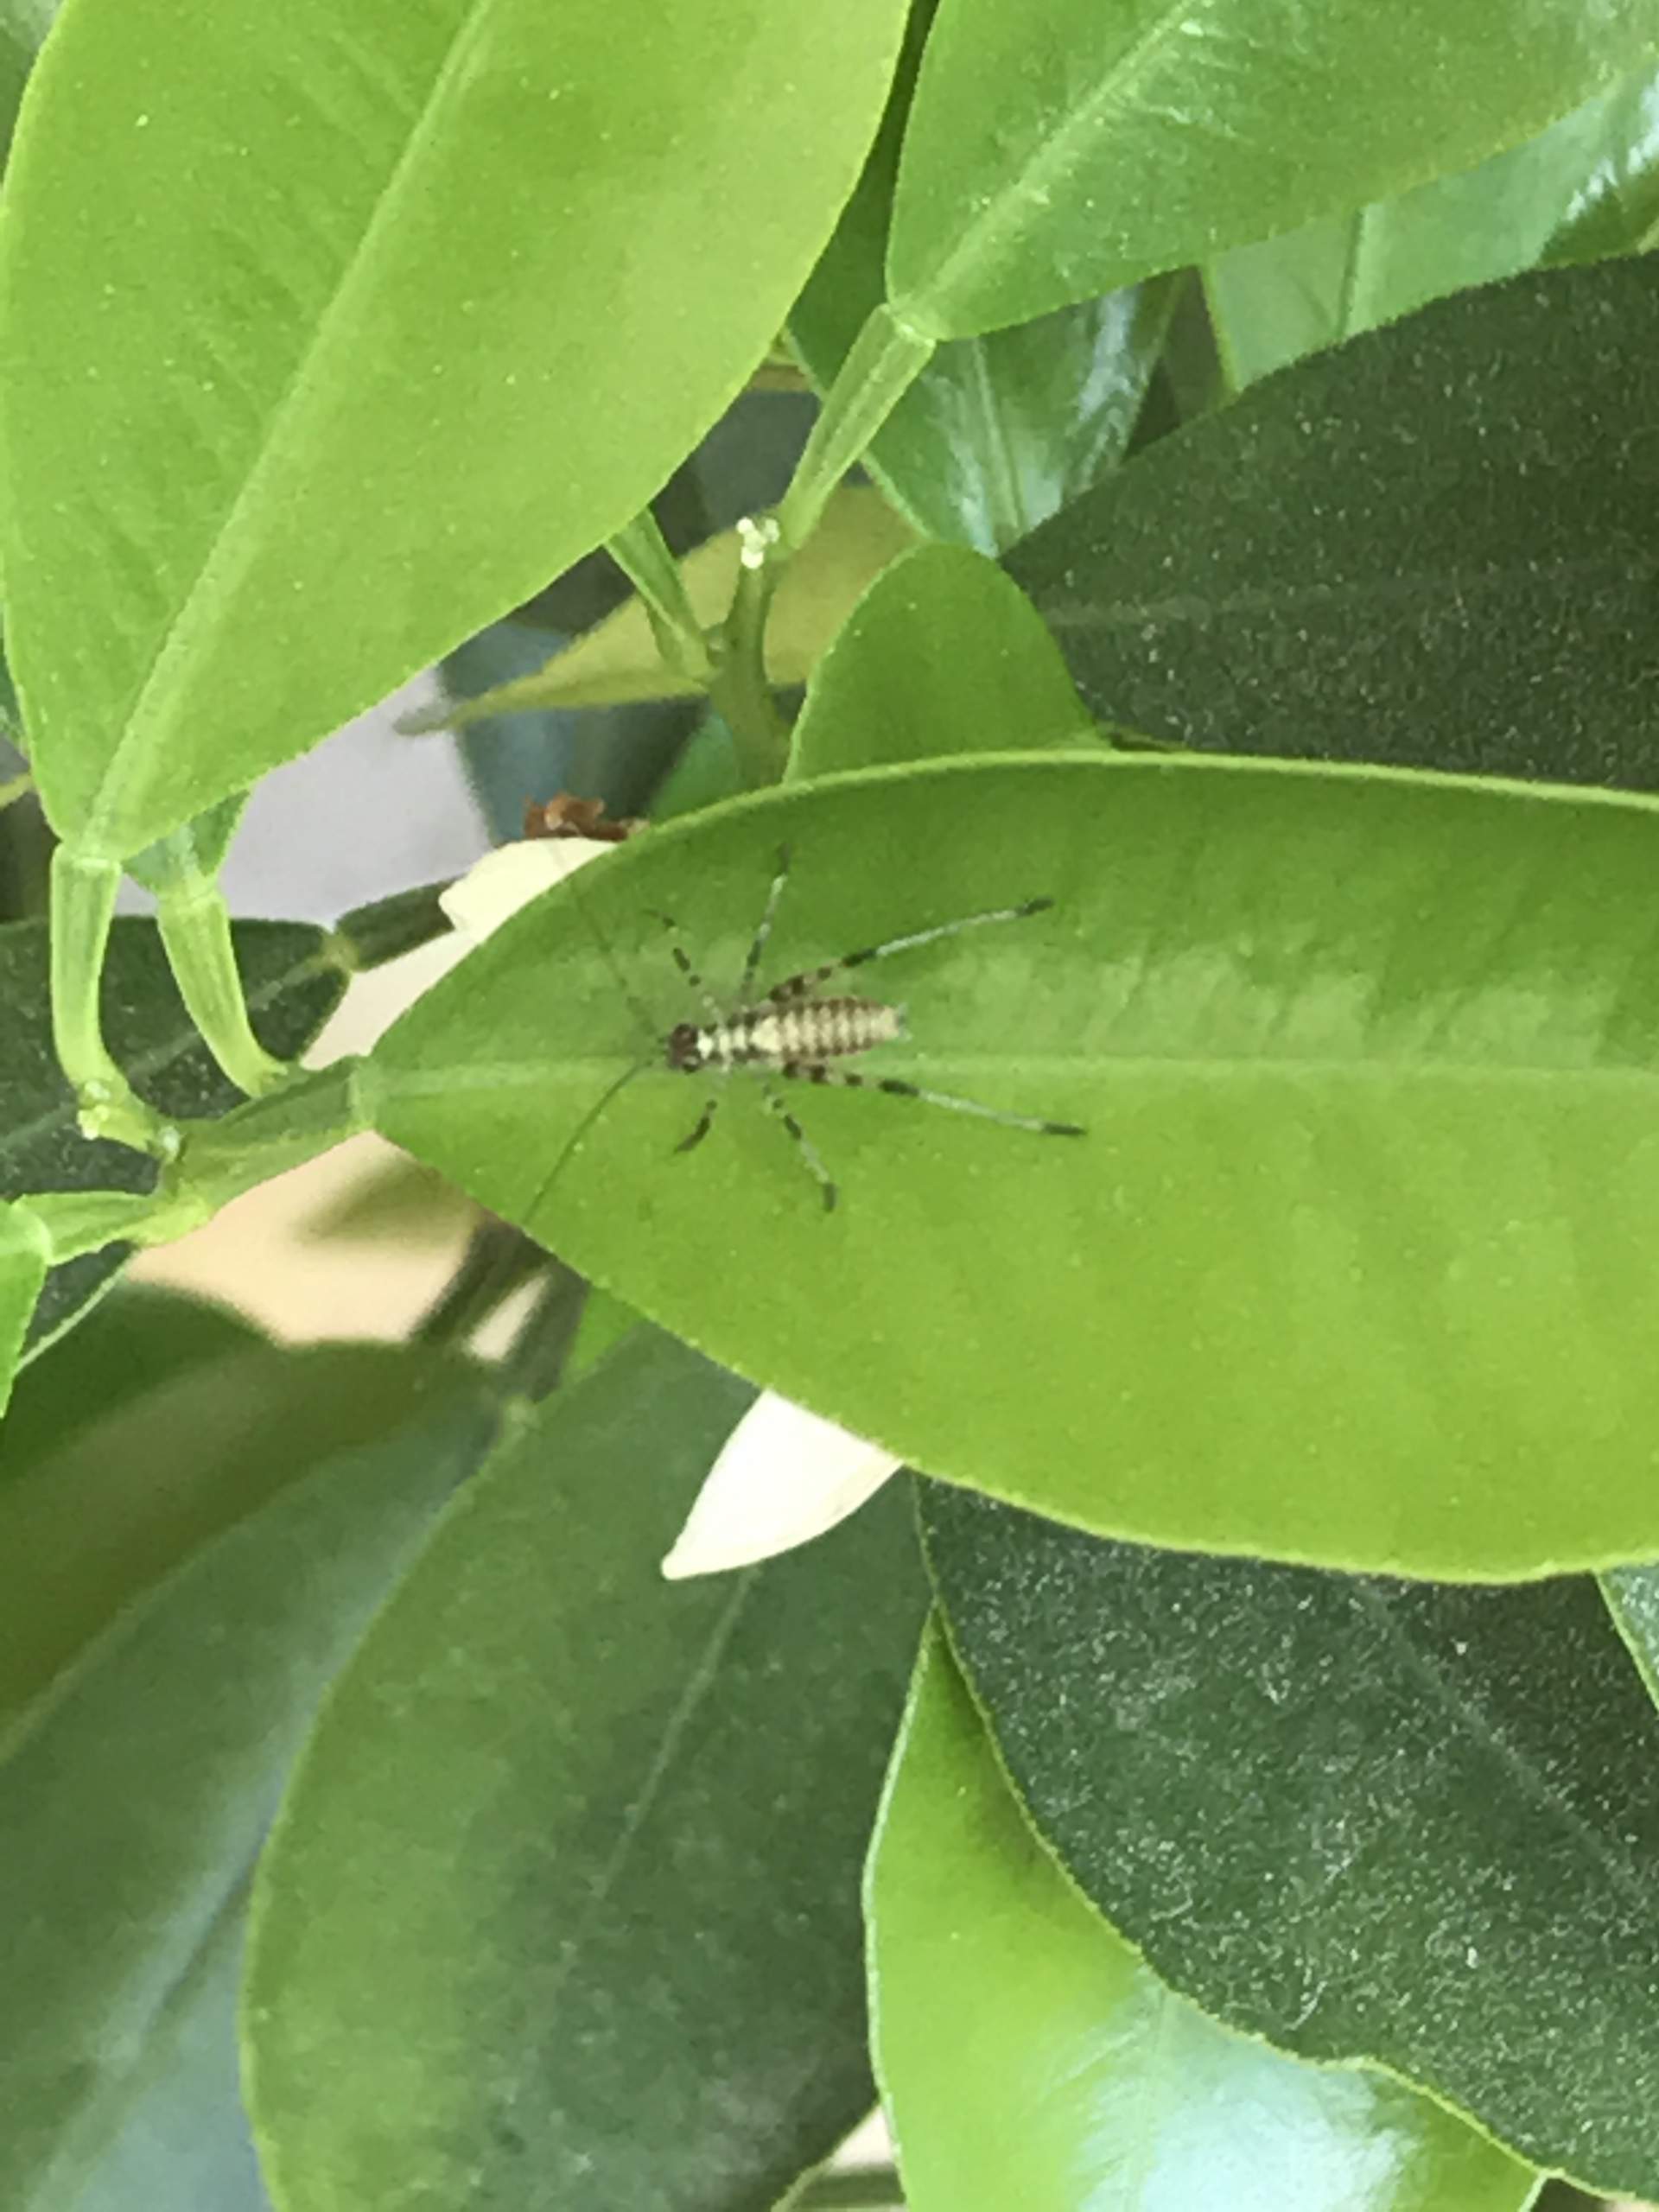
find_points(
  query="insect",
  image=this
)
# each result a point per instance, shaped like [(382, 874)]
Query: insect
[(794, 1032)]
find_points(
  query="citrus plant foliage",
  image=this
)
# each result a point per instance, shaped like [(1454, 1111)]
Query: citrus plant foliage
[(1067, 593)]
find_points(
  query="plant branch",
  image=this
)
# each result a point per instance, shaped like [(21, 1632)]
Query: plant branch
[(215, 1162), (497, 1260), (740, 687), (885, 360)]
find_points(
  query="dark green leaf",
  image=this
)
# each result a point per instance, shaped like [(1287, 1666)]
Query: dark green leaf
[(1389, 1820), (942, 654), (136, 1795), (1354, 1256), (1042, 164), (133, 1339), (183, 2142), (387, 928), (586, 1927), (293, 298), (1086, 2083), (1437, 545), (126, 1496), (292, 985)]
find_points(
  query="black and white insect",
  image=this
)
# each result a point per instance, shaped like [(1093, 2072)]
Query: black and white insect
[(797, 1031)]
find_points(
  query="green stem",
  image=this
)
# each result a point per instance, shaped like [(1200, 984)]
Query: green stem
[(885, 359), (739, 686), (536, 1359), (83, 907), (311, 1114), (216, 1161), (641, 552), (497, 1260), (14, 788), (195, 925)]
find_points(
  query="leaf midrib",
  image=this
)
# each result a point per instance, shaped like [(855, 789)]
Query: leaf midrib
[(540, 1075), (195, 613), (1472, 1723)]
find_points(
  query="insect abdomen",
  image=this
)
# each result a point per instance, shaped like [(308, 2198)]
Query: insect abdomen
[(817, 1029)]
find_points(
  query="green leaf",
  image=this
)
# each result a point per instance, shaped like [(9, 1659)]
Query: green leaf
[(24, 25), (134, 1338), (1591, 176), (1354, 1260), (183, 2141), (997, 433), (942, 654), (293, 985), (288, 303), (24, 1250), (128, 1495), (1087, 2082), (646, 1988), (135, 1796), (1369, 1819), (1042, 166), (1437, 545), (617, 661), (1616, 209)]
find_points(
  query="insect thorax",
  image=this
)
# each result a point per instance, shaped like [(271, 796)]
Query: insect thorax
[(776, 1035)]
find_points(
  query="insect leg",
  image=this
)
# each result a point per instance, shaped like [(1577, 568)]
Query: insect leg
[(895, 1087), (808, 1151), (809, 979), (683, 960), (752, 962), (704, 1122)]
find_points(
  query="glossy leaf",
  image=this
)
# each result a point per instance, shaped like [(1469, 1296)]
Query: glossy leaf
[(24, 1250), (134, 1338), (1632, 1596), (23, 24), (1437, 545), (1030, 157), (137, 1796), (293, 985), (1353, 1261), (1593, 177), (997, 433), (1616, 209), (942, 654), (1367, 1819), (859, 536), (646, 1989), (125, 1497), (1087, 2082), (291, 300)]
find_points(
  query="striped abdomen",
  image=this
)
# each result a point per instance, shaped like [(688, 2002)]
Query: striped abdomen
[(779, 1034)]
